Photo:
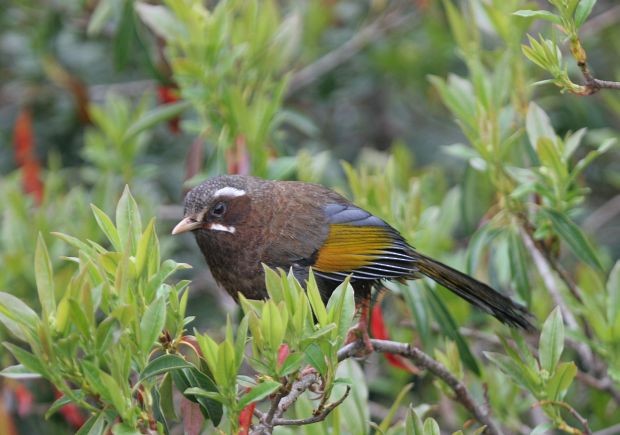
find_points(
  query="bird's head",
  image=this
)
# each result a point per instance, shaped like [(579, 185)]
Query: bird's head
[(217, 205)]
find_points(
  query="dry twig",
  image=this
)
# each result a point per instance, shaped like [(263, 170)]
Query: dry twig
[(422, 360), (367, 35)]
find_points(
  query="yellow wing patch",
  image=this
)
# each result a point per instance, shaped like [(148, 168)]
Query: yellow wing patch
[(350, 247)]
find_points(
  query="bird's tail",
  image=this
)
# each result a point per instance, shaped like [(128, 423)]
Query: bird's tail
[(476, 293)]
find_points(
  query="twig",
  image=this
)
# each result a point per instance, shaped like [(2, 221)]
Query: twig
[(315, 418), (284, 400), (611, 430), (593, 85), (572, 411), (374, 31), (296, 390), (544, 268), (423, 360)]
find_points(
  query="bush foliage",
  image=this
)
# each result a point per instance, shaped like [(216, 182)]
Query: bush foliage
[(101, 326)]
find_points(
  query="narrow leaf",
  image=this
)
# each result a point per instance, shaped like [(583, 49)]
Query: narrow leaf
[(108, 228), (573, 236), (551, 341), (155, 116), (164, 364), (152, 323), (128, 222), (258, 393), (45, 278), (20, 372)]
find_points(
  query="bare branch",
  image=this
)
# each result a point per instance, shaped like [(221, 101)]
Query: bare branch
[(611, 430), (423, 360), (315, 418), (296, 390), (369, 34)]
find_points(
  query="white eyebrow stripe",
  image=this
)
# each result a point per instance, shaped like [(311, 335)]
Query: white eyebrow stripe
[(229, 191), (220, 227)]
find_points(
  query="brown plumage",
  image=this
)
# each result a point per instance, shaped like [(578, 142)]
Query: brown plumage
[(241, 222)]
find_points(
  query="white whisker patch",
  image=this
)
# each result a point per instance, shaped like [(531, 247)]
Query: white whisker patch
[(229, 191), (220, 227)]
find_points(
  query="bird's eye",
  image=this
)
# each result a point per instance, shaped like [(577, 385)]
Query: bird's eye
[(218, 209)]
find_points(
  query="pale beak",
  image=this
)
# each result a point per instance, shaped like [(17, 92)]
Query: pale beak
[(187, 224)]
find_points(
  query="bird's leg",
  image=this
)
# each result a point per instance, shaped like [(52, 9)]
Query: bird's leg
[(360, 330)]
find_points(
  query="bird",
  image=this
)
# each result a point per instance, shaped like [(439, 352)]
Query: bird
[(242, 222)]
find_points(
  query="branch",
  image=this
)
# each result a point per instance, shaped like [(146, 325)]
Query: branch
[(572, 411), (315, 418), (546, 273), (284, 400), (593, 85), (585, 352), (611, 430), (423, 360), (369, 34)]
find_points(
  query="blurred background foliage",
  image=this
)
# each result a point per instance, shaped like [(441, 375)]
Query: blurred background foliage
[(361, 96)]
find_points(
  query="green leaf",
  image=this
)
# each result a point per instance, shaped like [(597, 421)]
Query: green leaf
[(387, 421), (318, 308), (316, 358), (291, 363), (551, 341), (341, 308), (431, 427), (273, 325), (27, 359), (510, 367), (561, 380), (166, 399), (128, 222), (573, 236), (144, 245), (151, 324), (18, 317), (192, 378), (95, 425), (62, 401), (413, 423), (79, 318), (583, 10), (538, 126), (155, 116), (164, 364), (613, 299), (201, 392), (225, 372), (540, 14), (160, 20), (108, 228), (451, 329), (518, 265), (45, 278), (122, 428), (19, 371), (103, 11), (258, 393), (124, 35), (212, 408)]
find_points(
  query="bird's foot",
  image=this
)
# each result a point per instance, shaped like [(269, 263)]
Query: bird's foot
[(359, 333)]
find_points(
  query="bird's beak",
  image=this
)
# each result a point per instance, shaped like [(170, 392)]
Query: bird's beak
[(187, 224)]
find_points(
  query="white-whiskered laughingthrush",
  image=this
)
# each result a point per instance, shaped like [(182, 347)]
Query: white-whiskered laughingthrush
[(242, 222)]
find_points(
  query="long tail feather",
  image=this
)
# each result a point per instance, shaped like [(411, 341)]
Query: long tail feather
[(476, 293)]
